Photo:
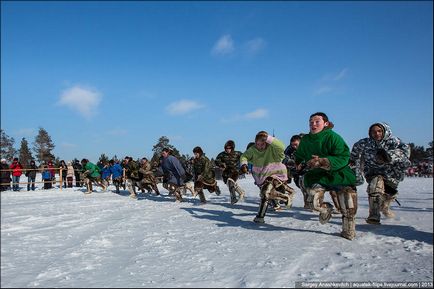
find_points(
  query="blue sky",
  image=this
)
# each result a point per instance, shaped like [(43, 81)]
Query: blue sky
[(113, 77)]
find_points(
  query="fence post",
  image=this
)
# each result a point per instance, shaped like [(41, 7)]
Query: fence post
[(123, 178)]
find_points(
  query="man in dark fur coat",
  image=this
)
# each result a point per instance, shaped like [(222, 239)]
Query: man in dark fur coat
[(229, 161), (204, 175)]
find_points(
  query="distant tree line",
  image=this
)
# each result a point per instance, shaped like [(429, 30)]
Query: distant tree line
[(43, 147), (163, 142), (420, 154)]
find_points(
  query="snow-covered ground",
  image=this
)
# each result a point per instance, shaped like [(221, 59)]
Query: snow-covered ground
[(64, 238)]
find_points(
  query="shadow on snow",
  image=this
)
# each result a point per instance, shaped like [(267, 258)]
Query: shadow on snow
[(230, 219), (404, 232)]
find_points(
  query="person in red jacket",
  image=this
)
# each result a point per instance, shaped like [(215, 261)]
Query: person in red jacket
[(17, 171), (50, 166)]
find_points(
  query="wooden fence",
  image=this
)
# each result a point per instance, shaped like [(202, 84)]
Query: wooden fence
[(60, 181), (218, 175), (40, 170)]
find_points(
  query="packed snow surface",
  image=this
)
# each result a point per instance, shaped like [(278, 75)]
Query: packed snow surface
[(65, 238)]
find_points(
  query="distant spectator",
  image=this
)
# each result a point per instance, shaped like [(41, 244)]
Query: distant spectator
[(51, 170), (64, 168), (31, 175), (5, 176), (77, 169), (17, 171), (46, 178), (70, 174)]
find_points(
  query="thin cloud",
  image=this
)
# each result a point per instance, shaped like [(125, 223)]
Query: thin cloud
[(67, 145), (25, 132), (259, 113), (331, 77), (341, 74), (83, 100), (147, 94), (117, 132), (223, 46), (256, 45), (256, 114), (322, 90), (175, 137), (330, 82), (183, 107)]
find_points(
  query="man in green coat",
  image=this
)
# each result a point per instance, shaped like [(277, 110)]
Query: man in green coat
[(325, 156), (91, 173)]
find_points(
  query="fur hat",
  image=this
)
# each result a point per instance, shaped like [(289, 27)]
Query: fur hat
[(198, 150), (167, 150), (230, 143)]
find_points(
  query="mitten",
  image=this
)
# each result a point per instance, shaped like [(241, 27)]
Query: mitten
[(317, 162), (244, 169), (382, 157)]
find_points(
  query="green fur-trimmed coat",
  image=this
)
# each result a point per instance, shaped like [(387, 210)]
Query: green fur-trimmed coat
[(330, 145)]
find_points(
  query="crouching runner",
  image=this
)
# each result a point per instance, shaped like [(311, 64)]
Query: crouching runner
[(91, 174), (268, 171), (173, 174), (229, 160), (325, 156)]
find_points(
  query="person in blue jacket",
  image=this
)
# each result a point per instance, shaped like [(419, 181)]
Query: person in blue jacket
[(105, 173), (46, 178), (116, 171)]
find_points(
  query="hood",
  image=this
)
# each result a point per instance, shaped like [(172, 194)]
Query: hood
[(387, 132), (230, 143)]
